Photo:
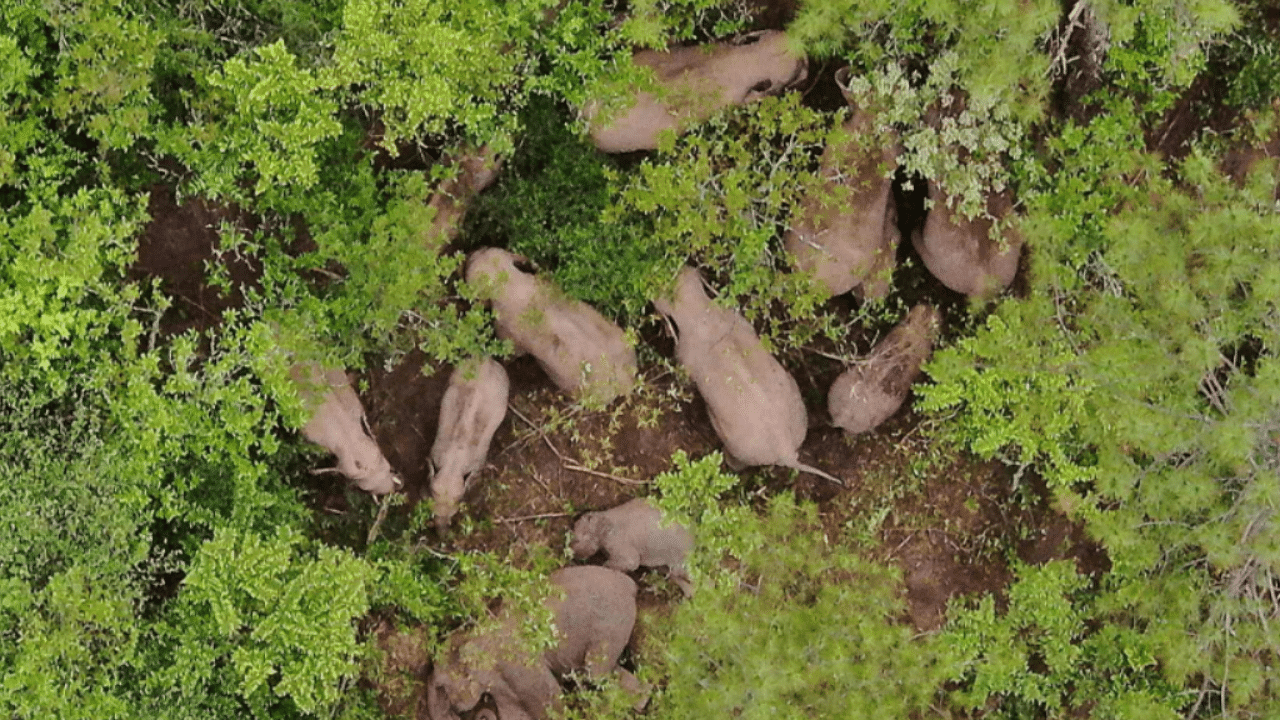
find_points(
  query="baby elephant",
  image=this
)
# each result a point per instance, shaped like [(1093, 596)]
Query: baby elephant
[(338, 424), (593, 623), (698, 81), (634, 535), (582, 352), (474, 406), (754, 403), (867, 395)]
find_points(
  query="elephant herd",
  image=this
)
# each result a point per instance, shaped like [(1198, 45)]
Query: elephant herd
[(846, 246), (594, 611), (754, 404)]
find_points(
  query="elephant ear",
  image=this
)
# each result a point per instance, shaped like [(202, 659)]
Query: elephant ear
[(439, 701)]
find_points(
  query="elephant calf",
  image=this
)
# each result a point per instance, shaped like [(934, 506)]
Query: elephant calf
[(634, 535), (593, 623), (582, 352), (474, 405), (338, 424), (851, 243), (754, 403), (867, 395), (698, 81)]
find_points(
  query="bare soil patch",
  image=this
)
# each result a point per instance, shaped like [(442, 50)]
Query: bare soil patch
[(175, 248)]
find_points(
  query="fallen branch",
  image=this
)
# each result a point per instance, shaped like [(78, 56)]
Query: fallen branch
[(536, 429), (525, 518), (377, 522), (597, 473)]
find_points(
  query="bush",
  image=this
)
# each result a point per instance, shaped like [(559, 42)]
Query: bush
[(786, 621)]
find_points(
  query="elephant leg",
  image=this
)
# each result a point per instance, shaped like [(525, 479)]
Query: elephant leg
[(634, 686), (623, 559), (734, 463), (509, 707), (680, 576), (535, 689)]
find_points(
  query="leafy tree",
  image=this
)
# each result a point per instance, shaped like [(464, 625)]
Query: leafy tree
[(720, 197), (157, 561), (1039, 658), (786, 621), (1138, 378), (257, 615)]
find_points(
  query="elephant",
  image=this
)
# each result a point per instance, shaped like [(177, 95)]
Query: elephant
[(961, 252), (754, 403), (867, 395), (338, 424), (851, 244), (697, 81), (582, 352), (473, 407), (593, 621), (476, 170), (964, 253), (634, 535)]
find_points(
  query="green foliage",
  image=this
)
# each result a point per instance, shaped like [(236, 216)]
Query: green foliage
[(1138, 379), (914, 59), (796, 625), (548, 206), (265, 617), (261, 120), (104, 70), (155, 563), (429, 67), (74, 534), (719, 197), (67, 646), (657, 23), (1250, 60), (1035, 656), (997, 51), (59, 283), (65, 503)]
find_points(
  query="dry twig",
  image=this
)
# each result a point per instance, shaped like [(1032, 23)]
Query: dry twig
[(526, 518), (597, 473)]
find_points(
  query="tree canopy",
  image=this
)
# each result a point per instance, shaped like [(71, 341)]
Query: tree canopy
[(162, 557)]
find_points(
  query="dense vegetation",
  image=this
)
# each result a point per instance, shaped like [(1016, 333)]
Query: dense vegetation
[(159, 560)]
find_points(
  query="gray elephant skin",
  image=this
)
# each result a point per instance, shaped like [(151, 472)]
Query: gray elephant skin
[(474, 405), (754, 403), (698, 81), (634, 535), (338, 424), (851, 244), (593, 623), (583, 353), (476, 170), (867, 395), (961, 252)]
